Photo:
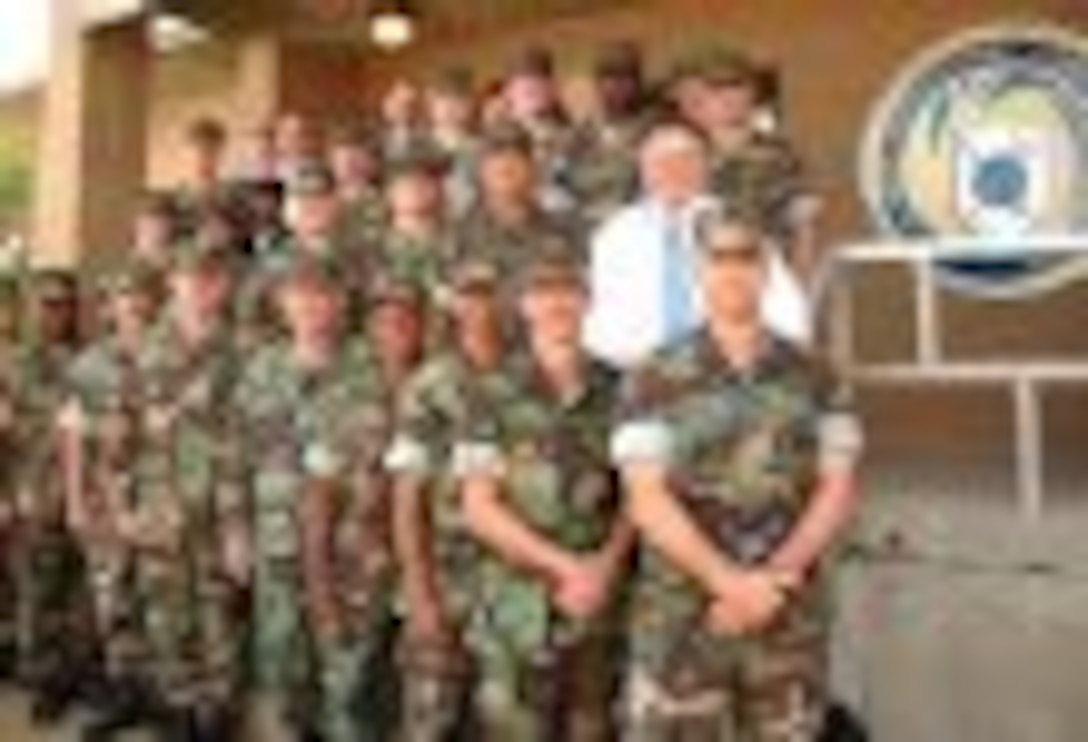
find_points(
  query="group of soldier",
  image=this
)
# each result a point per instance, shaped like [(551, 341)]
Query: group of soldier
[(322, 455)]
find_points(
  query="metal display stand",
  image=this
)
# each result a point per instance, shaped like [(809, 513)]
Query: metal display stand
[(1026, 380)]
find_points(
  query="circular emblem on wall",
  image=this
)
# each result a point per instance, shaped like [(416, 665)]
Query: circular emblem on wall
[(986, 136)]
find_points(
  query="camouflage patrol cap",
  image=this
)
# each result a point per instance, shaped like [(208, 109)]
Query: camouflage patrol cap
[(533, 61), (619, 59), (419, 159), (54, 285), (129, 277), (360, 133), (745, 235), (454, 81), (554, 265), (474, 276), (387, 289), (196, 254), (506, 137), (309, 272), (312, 178), (721, 67)]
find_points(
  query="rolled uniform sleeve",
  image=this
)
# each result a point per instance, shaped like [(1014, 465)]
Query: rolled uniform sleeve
[(477, 458), (411, 452), (643, 441), (407, 455), (840, 434), (321, 460), (642, 433)]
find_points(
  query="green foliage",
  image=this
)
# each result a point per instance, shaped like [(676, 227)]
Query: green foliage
[(16, 179)]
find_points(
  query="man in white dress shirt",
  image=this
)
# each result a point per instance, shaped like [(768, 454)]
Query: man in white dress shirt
[(642, 259)]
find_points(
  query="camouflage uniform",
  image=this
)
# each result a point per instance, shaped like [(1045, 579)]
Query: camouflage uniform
[(543, 676), (744, 451), (184, 502), (604, 176), (47, 564), (303, 429), (765, 177), (104, 414), (509, 247), (421, 264), (439, 403), (257, 322), (8, 469)]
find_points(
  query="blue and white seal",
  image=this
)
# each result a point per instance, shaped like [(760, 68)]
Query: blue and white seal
[(986, 136)]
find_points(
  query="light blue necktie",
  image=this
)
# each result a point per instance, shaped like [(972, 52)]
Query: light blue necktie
[(677, 311)]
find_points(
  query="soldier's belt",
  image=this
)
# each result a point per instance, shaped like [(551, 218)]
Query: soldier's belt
[(749, 534)]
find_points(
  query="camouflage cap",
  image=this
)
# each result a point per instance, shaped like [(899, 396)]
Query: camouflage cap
[(387, 289), (128, 277), (419, 159), (506, 137), (196, 254), (309, 272), (533, 61), (361, 133), (312, 178), (474, 275), (721, 67), (619, 59), (54, 285), (749, 237), (454, 81), (554, 265)]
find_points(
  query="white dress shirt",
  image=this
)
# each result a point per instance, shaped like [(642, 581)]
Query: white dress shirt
[(626, 322)]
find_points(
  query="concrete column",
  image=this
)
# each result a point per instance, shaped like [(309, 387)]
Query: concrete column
[(260, 76), (94, 136)]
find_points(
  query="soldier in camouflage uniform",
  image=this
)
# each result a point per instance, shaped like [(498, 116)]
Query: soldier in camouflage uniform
[(417, 243), (751, 164), (154, 231), (315, 415), (451, 113), (507, 226), (540, 497), (396, 325), (100, 425), (604, 175), (186, 508), (435, 553), (738, 453), (48, 569), (534, 104), (314, 218), (9, 320), (356, 162), (204, 149)]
